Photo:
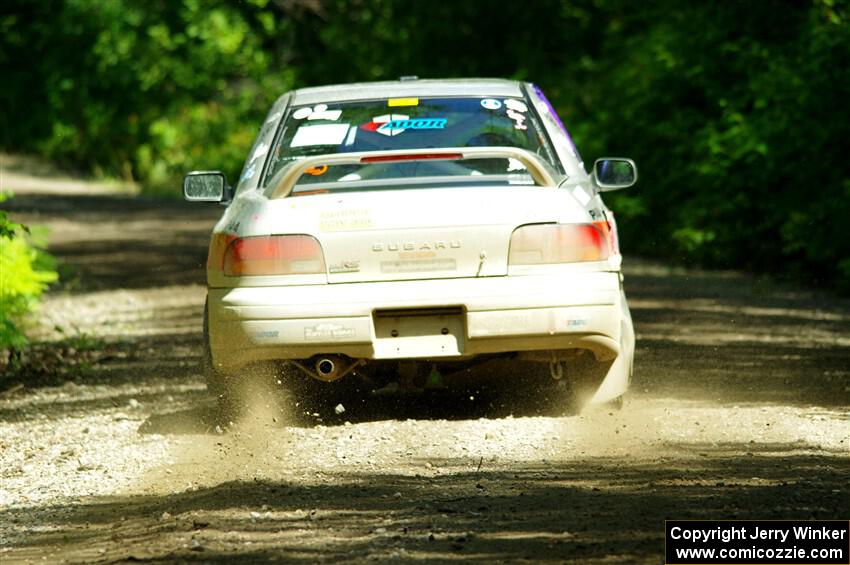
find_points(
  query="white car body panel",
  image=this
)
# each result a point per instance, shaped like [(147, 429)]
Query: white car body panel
[(430, 265), (452, 225)]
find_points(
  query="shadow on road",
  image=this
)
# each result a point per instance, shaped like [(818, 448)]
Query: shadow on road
[(447, 404), (570, 510), (718, 339), (111, 241)]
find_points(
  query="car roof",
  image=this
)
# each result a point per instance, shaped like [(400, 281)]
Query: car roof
[(407, 88)]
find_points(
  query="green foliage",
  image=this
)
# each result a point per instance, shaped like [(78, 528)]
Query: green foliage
[(25, 272), (141, 89), (75, 357), (736, 116), (735, 111)]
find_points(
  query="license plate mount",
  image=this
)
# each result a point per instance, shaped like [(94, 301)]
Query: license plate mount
[(419, 333)]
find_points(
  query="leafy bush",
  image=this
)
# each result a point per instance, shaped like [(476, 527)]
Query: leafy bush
[(73, 358), (142, 89), (25, 272), (734, 113)]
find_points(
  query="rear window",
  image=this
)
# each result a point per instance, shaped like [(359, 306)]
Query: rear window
[(409, 123)]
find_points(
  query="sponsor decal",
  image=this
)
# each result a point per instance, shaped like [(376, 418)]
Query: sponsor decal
[(266, 334), (394, 124), (344, 220), (403, 102), (418, 265), (518, 118), (491, 104), (350, 266), (317, 171), (328, 331), (381, 121), (551, 115), (325, 134), (317, 112), (516, 105)]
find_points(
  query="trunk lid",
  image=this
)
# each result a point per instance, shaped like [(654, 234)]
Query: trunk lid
[(420, 234)]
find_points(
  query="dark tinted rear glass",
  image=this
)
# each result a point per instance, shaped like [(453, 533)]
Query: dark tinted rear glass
[(408, 123)]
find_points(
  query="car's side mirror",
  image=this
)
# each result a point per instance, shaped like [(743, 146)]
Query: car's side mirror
[(614, 173), (206, 186)]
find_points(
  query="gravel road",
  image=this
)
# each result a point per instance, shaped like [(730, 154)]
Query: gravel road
[(740, 408)]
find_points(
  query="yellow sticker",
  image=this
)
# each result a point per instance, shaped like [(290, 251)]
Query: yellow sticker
[(403, 102), (345, 220)]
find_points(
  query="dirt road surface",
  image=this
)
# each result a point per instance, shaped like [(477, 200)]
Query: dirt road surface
[(739, 409)]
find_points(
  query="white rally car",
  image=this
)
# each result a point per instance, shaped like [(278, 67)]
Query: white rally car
[(420, 223)]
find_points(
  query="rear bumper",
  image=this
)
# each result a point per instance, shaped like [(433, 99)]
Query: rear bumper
[(578, 310)]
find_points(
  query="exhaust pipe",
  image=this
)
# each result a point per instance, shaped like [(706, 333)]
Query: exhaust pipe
[(328, 368)]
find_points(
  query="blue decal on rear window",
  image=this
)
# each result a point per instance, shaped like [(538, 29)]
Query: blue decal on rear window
[(394, 124)]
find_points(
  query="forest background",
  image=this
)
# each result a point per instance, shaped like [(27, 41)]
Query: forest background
[(736, 112)]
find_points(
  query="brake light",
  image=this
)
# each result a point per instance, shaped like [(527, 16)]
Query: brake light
[(610, 235), (274, 255), (541, 244), (412, 157)]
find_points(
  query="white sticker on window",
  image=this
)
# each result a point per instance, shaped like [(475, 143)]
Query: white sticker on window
[(317, 112), (516, 105), (325, 134), (330, 115)]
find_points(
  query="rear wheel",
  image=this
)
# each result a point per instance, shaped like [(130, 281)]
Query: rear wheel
[(227, 389), (564, 388), (615, 405), (215, 381)]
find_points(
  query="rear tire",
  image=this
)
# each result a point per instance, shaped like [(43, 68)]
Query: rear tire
[(615, 405), (219, 385), (566, 396)]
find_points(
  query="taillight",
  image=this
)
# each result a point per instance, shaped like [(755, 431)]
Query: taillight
[(558, 243), (274, 255)]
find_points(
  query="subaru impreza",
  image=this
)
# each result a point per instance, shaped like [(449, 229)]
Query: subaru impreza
[(417, 227)]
